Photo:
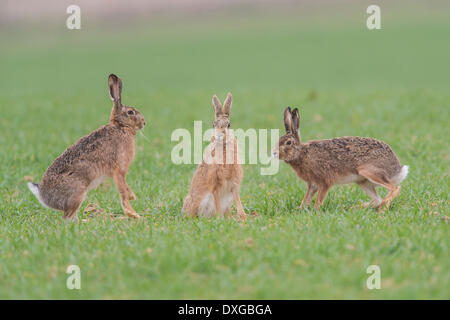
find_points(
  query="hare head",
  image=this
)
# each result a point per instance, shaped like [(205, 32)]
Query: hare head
[(289, 144), (221, 118), (122, 115)]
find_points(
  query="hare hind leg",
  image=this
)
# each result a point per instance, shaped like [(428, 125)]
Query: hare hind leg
[(379, 177), (369, 188), (72, 205), (188, 207)]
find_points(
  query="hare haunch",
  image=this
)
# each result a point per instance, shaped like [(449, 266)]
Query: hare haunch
[(218, 177), (324, 163), (106, 152)]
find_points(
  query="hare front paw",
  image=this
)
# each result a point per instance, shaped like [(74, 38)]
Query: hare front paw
[(132, 214), (241, 217), (132, 196)]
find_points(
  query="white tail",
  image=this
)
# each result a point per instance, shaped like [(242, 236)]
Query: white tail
[(399, 177), (34, 188)]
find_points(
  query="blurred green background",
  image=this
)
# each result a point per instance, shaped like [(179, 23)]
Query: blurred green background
[(391, 84)]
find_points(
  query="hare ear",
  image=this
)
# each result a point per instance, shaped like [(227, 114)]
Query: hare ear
[(288, 120), (227, 105), (217, 106), (115, 88), (296, 123)]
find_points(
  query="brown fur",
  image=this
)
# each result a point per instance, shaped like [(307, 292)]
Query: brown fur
[(217, 177), (106, 152), (324, 163)]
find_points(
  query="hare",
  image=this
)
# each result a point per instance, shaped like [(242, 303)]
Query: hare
[(218, 177), (106, 152), (324, 163)]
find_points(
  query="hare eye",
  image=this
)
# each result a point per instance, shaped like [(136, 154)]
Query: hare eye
[(229, 124), (289, 143), (130, 112)]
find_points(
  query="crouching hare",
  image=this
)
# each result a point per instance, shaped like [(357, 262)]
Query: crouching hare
[(106, 152), (218, 177), (324, 163)]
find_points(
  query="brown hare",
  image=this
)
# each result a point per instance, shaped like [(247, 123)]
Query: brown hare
[(218, 177), (324, 163), (106, 152)]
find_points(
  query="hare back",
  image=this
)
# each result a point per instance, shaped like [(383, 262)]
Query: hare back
[(337, 160), (107, 148)]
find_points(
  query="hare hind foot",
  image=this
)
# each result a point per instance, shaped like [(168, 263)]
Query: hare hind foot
[(392, 194), (371, 204)]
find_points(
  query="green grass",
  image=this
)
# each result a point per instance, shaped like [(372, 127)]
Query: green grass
[(390, 84)]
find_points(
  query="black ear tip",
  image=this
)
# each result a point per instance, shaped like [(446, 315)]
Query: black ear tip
[(112, 76)]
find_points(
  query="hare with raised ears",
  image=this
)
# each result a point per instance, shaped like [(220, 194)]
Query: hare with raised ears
[(324, 163), (106, 152), (218, 177)]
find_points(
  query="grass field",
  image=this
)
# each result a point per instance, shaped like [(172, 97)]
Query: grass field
[(391, 84)]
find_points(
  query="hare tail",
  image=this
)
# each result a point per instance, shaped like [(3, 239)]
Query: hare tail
[(34, 188), (399, 177)]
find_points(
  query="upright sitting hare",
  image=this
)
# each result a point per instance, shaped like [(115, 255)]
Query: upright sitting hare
[(217, 179), (106, 152), (324, 163)]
